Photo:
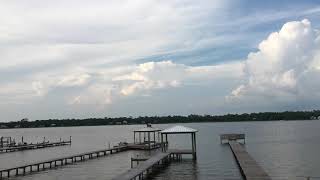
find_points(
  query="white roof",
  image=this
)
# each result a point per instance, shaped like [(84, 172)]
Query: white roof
[(147, 129), (178, 129)]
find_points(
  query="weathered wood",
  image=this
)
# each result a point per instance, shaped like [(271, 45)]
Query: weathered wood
[(249, 168)]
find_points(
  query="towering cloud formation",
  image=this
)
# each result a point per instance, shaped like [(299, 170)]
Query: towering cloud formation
[(285, 68)]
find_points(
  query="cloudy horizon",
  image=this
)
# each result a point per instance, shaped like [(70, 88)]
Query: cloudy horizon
[(80, 59)]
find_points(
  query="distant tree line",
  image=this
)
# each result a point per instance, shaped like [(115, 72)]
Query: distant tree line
[(262, 116)]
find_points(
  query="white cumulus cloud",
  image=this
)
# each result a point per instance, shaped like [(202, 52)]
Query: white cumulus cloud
[(285, 68)]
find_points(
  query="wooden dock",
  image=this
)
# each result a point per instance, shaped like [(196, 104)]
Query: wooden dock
[(143, 169), (61, 161), (143, 146), (146, 167), (249, 168), (34, 146), (225, 138)]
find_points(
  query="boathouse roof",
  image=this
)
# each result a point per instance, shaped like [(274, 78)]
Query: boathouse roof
[(178, 129), (148, 129)]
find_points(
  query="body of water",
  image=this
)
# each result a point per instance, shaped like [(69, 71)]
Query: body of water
[(285, 149)]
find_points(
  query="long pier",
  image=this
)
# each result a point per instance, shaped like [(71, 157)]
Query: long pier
[(61, 161), (34, 146), (249, 168), (143, 169)]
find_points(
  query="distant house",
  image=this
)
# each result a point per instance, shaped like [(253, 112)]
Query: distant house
[(3, 126), (24, 120), (124, 122), (318, 117)]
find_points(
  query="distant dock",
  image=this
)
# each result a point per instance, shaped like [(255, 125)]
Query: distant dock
[(249, 168), (31, 146)]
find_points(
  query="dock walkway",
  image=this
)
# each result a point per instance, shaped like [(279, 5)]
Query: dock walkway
[(47, 164), (138, 172), (149, 164), (248, 166)]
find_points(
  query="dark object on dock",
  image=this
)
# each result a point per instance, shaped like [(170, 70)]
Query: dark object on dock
[(232, 137), (30, 146), (148, 165), (249, 168), (58, 162)]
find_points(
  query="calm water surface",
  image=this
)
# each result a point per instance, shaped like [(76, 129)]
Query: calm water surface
[(286, 150)]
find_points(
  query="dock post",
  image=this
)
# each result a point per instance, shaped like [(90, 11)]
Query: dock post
[(162, 142), (149, 142), (192, 144), (195, 146), (134, 137)]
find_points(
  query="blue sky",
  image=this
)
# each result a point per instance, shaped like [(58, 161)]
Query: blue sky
[(79, 59)]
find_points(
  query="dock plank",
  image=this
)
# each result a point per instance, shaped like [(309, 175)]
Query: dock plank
[(134, 172), (250, 169)]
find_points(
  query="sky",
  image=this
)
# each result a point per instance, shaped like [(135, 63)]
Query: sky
[(81, 59)]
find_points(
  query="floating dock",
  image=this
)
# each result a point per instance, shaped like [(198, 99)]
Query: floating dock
[(249, 168)]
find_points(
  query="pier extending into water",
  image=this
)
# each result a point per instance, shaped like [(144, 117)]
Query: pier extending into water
[(249, 168), (61, 161), (163, 158), (151, 164), (159, 160)]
